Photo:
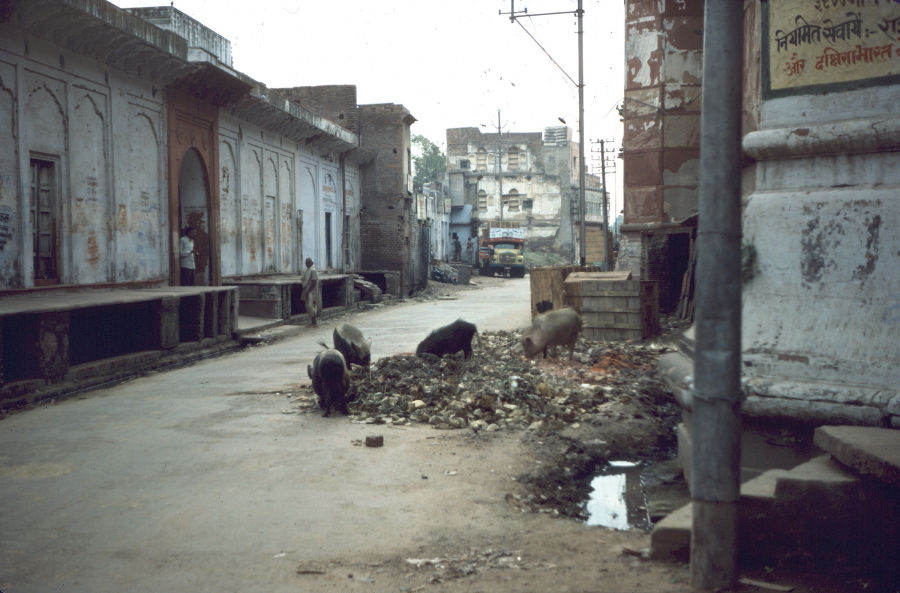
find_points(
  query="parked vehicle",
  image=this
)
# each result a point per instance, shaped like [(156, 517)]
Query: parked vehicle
[(502, 252)]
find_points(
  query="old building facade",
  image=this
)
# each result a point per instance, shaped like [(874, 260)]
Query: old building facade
[(388, 224), (121, 128), (661, 143), (821, 221), (529, 178)]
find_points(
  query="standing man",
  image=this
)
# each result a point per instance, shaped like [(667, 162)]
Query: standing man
[(470, 247), (310, 293), (457, 249), (186, 251)]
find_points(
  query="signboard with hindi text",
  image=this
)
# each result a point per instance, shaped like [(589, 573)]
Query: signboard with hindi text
[(815, 46)]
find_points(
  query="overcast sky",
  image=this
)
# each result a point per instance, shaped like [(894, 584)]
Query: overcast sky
[(452, 64)]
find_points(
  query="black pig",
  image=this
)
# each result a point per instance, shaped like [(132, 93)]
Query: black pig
[(349, 341), (450, 339), (330, 380)]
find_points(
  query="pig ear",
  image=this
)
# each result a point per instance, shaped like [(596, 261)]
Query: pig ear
[(529, 341)]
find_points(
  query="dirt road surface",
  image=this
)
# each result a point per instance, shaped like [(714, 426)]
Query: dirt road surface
[(197, 480)]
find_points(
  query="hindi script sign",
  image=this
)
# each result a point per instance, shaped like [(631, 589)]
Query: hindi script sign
[(811, 46)]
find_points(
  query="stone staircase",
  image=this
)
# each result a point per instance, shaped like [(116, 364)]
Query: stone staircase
[(369, 290), (837, 513)]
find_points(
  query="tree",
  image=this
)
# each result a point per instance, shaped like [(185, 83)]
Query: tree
[(430, 162)]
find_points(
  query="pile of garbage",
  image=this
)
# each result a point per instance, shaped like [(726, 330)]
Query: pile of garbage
[(441, 272), (498, 389)]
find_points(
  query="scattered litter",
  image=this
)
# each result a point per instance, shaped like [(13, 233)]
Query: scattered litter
[(765, 585), (450, 472), (498, 389)]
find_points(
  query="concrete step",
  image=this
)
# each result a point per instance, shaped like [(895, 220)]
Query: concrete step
[(868, 451), (370, 289), (811, 515)]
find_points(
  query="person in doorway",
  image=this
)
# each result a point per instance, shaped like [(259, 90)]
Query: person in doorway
[(310, 293), (186, 251), (470, 248), (457, 249)]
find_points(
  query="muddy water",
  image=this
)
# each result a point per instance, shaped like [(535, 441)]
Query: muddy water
[(617, 500)]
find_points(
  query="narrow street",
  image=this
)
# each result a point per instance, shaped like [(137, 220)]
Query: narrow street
[(198, 480)]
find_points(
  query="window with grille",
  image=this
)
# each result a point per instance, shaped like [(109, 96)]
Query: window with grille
[(482, 201), (513, 160), (512, 200)]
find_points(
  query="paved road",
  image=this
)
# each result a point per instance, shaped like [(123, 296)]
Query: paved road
[(194, 479)]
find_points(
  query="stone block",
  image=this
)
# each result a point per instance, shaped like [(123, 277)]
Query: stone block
[(671, 537), (869, 451), (168, 322)]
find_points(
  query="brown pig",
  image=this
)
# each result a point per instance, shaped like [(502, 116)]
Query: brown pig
[(554, 328)]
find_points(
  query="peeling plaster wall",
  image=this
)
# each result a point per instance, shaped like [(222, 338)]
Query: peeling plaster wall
[(821, 316), (103, 132), (274, 194), (664, 59)]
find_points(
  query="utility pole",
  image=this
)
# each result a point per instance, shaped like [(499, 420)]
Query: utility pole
[(513, 15), (499, 165), (716, 396), (607, 253)]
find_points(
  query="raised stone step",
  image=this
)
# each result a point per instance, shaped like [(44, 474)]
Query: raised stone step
[(869, 451), (371, 290), (801, 510)]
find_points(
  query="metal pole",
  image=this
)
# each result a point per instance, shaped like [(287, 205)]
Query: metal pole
[(607, 256), (581, 180), (499, 165), (715, 464)]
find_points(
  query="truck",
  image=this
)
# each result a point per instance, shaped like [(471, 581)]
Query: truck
[(501, 251)]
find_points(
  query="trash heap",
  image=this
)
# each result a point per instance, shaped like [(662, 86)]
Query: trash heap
[(498, 389)]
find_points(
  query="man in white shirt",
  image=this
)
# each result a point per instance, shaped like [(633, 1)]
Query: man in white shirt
[(310, 293), (186, 251)]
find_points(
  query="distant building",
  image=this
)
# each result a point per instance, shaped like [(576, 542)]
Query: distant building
[(523, 177), (389, 230)]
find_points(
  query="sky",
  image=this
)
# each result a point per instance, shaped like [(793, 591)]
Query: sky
[(452, 64)]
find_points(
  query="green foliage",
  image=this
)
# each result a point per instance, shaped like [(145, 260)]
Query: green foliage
[(429, 163)]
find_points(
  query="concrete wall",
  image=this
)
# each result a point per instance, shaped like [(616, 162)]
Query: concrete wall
[(822, 312), (104, 133), (197, 35)]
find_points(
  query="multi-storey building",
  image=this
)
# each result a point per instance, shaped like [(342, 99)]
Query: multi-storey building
[(527, 178)]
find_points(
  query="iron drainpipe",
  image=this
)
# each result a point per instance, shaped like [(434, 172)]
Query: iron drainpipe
[(716, 401)]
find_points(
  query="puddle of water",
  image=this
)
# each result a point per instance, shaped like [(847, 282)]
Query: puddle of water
[(617, 500)]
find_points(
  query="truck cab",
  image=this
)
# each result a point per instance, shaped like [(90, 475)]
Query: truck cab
[(503, 253)]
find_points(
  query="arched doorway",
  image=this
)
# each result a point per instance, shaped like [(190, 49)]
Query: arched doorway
[(193, 209)]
